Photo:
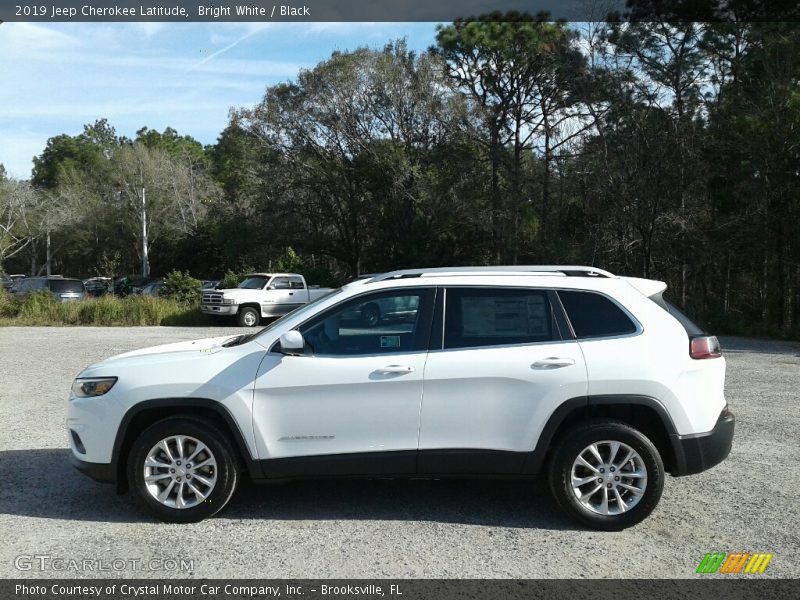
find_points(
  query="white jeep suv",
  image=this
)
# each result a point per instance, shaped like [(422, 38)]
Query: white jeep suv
[(510, 372)]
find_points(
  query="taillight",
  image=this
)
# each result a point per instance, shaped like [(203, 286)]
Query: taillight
[(704, 346)]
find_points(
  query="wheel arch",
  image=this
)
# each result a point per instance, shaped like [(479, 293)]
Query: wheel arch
[(144, 414), (644, 413)]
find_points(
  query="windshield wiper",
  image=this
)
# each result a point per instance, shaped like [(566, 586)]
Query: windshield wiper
[(238, 340)]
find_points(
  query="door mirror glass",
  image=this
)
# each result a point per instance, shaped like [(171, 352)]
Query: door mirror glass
[(292, 342)]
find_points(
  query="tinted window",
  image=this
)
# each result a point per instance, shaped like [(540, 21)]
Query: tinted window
[(296, 283), (375, 324), (594, 315), (30, 285), (495, 317), (280, 283), (61, 286)]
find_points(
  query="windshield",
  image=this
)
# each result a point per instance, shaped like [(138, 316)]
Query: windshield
[(254, 283), (308, 308)]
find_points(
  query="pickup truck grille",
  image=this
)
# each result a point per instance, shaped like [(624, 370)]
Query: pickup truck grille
[(212, 298)]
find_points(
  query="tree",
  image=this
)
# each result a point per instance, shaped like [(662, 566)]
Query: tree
[(518, 70), (17, 201)]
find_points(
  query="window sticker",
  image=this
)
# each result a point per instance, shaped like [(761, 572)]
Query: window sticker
[(390, 341), (486, 316)]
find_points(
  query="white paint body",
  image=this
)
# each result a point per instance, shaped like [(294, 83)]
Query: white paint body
[(491, 398)]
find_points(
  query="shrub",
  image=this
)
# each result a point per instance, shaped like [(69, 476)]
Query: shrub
[(181, 287), (130, 311), (8, 306), (231, 280)]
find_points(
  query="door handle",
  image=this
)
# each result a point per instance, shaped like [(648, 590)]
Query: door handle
[(553, 362), (399, 369)]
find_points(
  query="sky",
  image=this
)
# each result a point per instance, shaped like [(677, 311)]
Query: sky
[(54, 78)]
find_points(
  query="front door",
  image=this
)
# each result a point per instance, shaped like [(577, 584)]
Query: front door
[(350, 404), (502, 370)]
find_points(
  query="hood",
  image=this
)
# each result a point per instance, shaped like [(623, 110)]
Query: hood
[(237, 292), (204, 346)]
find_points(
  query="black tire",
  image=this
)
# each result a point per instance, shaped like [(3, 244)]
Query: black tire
[(566, 452), (226, 471), (371, 315), (248, 317)]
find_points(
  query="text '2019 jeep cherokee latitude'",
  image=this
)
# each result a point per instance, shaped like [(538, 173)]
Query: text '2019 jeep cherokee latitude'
[(503, 371)]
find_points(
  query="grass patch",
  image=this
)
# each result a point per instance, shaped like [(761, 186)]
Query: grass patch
[(107, 311)]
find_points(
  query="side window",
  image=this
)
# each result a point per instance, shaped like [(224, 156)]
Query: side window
[(279, 283), (496, 317), (375, 324), (296, 283), (594, 315)]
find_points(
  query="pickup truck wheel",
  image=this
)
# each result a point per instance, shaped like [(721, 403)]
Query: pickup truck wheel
[(606, 475), (370, 315), (182, 470), (248, 317)]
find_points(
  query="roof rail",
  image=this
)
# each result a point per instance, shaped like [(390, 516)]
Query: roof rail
[(568, 271)]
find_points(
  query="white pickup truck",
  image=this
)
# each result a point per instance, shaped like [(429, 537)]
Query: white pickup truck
[(261, 295)]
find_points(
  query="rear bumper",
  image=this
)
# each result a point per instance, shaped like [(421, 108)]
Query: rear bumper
[(699, 452), (102, 472)]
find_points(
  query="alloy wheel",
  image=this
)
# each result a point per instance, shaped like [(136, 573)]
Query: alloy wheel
[(180, 471), (608, 477)]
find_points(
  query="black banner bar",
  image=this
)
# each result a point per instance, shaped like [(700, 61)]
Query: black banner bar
[(717, 588), (394, 10)]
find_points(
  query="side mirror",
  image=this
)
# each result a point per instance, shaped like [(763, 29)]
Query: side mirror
[(292, 342)]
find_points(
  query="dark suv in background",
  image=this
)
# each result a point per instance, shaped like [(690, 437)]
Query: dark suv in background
[(62, 288)]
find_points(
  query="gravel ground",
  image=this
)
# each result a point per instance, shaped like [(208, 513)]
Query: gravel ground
[(388, 528)]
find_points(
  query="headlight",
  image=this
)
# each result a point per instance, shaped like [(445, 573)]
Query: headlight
[(228, 301), (92, 386)]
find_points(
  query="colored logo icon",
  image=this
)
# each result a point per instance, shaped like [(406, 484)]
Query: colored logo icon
[(735, 562)]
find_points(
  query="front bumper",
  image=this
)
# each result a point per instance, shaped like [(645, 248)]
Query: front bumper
[(219, 309), (699, 452), (102, 472)]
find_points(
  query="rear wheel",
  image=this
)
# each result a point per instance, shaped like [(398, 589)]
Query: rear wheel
[(248, 317), (606, 474), (182, 470)]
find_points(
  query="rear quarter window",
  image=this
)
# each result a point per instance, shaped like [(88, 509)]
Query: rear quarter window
[(593, 315)]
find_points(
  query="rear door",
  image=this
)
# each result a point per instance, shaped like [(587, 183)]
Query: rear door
[(501, 368)]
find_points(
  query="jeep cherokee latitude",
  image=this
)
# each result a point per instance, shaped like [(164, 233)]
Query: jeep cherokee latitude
[(592, 379)]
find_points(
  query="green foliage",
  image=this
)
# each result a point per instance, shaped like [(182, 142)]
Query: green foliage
[(292, 262), (232, 279), (132, 311), (8, 308), (181, 287)]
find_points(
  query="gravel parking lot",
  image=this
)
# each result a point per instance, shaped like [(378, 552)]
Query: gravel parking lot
[(424, 529)]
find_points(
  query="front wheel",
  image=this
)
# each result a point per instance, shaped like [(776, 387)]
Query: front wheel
[(248, 317), (606, 475), (182, 470)]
